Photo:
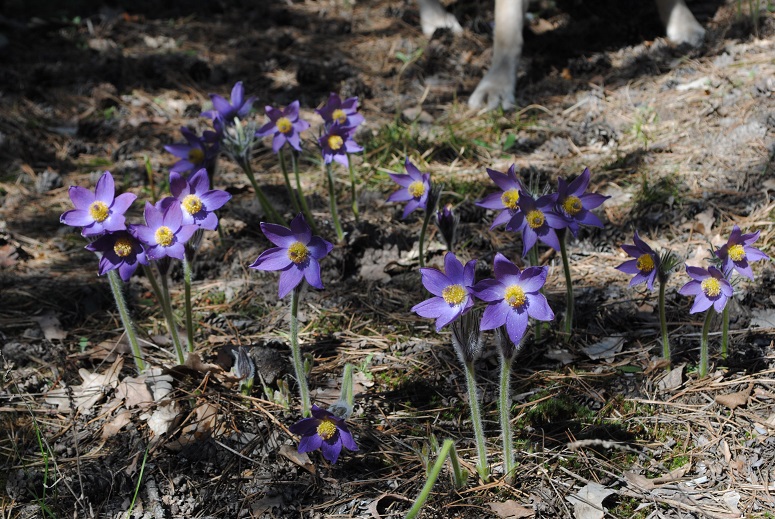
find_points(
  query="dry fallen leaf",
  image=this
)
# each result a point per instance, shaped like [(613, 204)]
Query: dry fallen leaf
[(704, 222), (511, 509), (588, 501), (134, 392), (93, 389), (112, 427), (50, 325), (735, 400), (194, 362), (299, 458), (672, 380)]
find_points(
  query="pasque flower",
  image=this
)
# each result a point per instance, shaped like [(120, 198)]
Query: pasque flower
[(451, 288), (195, 199), (119, 250), (536, 221), (345, 113), (195, 153), (709, 287), (296, 256), (415, 187), (512, 297), (164, 234), (285, 125), (574, 203), (645, 266), (324, 431), (226, 111), (100, 211), (507, 201), (737, 252), (337, 143)]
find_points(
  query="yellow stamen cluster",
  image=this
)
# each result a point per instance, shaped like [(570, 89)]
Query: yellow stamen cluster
[(510, 198), (711, 286), (572, 205), (192, 204), (122, 247), (99, 211), (196, 155), (284, 125), (335, 142), (535, 219), (298, 252), (515, 296), (645, 263), (416, 188), (164, 236), (326, 429), (736, 252), (339, 116), (454, 294)]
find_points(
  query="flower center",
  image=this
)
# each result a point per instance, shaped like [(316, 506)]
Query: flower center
[(335, 142), (122, 247), (572, 205), (99, 211), (339, 116), (645, 263), (510, 198), (164, 236), (736, 252), (326, 429), (192, 204), (284, 125), (711, 287), (416, 188), (454, 294), (535, 219), (515, 296), (298, 252), (196, 155)]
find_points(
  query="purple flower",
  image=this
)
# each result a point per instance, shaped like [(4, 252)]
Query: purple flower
[(710, 287), (336, 143), (536, 220), (285, 125), (297, 254), (513, 296), (119, 250), (165, 233), (737, 252), (645, 266), (324, 431), (345, 113), (452, 289), (415, 188), (507, 201), (448, 221), (195, 199), (195, 153), (574, 204), (100, 211), (226, 111)]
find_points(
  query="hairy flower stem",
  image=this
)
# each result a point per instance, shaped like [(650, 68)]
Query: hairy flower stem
[(300, 192), (421, 242), (298, 363), (353, 197), (332, 204), (163, 294), (663, 323), (447, 449), (476, 419), (704, 343), (291, 193), (533, 258), (266, 206), (568, 324), (347, 385), (504, 409), (189, 310), (116, 287), (725, 332)]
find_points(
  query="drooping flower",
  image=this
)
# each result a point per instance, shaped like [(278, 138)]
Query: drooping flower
[(196, 200), (119, 250), (164, 234), (507, 201), (415, 188), (709, 287), (536, 221), (296, 256), (737, 252), (345, 113), (100, 211), (645, 266), (336, 143), (512, 297), (324, 431), (195, 153), (448, 221), (226, 111), (574, 203), (285, 125), (451, 288)]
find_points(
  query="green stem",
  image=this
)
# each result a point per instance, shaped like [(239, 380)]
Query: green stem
[(353, 197), (533, 257), (116, 287), (291, 193), (332, 204), (347, 384), (302, 198), (189, 310), (725, 332), (170, 317), (704, 343), (663, 323), (421, 242), (476, 419), (298, 363), (504, 409), (447, 447), (568, 283), (266, 206)]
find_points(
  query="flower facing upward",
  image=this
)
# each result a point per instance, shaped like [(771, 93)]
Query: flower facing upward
[(513, 296), (195, 153), (574, 204), (120, 250), (710, 287), (645, 266), (196, 200), (536, 221), (164, 234), (336, 143), (414, 188), (226, 111), (285, 125), (451, 288), (100, 211), (296, 256), (737, 252), (324, 431), (345, 113), (507, 201)]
